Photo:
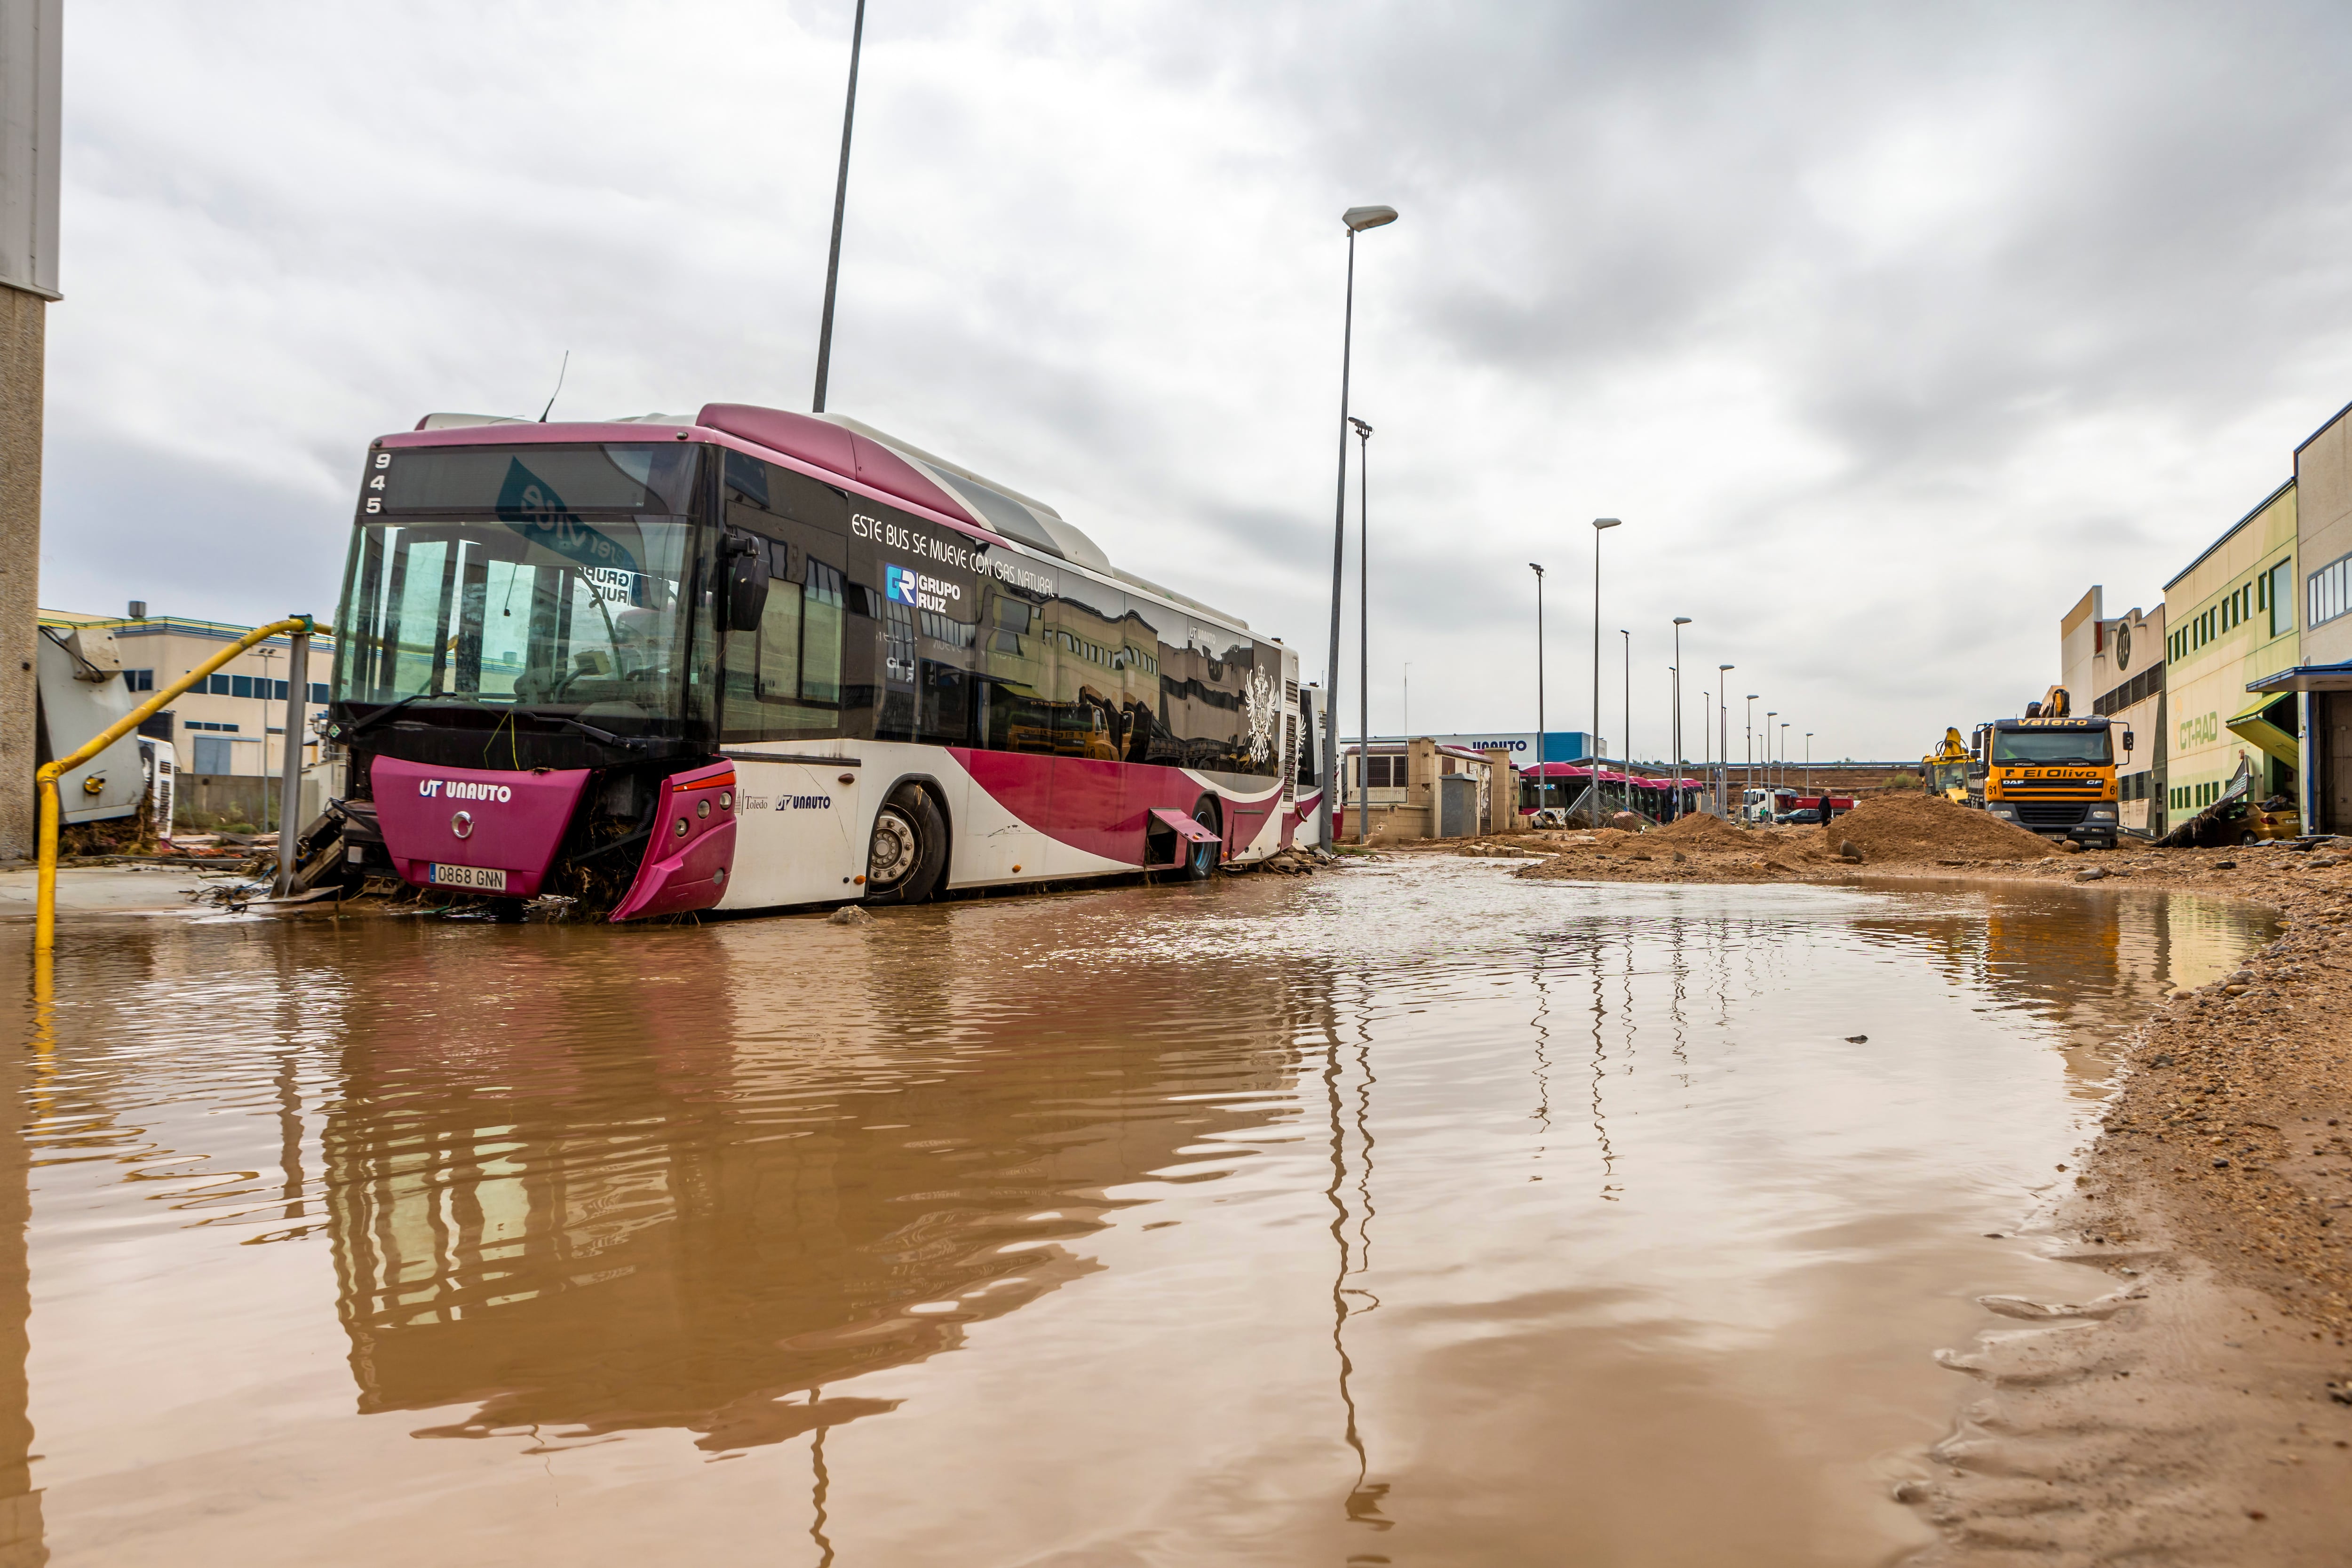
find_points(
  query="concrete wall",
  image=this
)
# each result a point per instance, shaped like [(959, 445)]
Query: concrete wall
[(2082, 639), (22, 319)]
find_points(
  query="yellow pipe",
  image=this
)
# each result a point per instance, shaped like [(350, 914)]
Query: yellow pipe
[(44, 779)]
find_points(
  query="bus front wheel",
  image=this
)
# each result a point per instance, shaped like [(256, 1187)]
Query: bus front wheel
[(909, 852)]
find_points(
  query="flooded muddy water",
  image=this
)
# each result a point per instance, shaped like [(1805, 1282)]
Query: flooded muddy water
[(1411, 1214)]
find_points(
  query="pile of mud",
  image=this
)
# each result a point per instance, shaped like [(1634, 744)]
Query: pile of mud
[(1700, 831), (1898, 827)]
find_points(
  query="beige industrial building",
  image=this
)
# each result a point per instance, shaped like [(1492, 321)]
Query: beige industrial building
[(2115, 668), (235, 724), (1420, 789)]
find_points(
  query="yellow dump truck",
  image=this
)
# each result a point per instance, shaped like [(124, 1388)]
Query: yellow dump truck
[(2049, 772)]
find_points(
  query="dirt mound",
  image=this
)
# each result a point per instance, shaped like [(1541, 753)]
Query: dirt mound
[(1700, 831), (1906, 827)]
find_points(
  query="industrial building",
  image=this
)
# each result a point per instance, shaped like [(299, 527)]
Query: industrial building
[(2116, 668), (228, 736)]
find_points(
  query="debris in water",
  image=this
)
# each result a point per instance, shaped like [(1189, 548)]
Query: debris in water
[(1857, 1039), (850, 915)]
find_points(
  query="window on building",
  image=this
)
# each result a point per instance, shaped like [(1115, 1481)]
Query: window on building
[(2278, 596), (212, 754), (139, 679), (318, 691), (2327, 597)]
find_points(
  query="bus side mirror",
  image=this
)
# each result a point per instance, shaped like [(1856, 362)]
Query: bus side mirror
[(2127, 743), (746, 583)]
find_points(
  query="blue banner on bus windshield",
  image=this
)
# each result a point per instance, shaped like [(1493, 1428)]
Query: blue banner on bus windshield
[(529, 501)]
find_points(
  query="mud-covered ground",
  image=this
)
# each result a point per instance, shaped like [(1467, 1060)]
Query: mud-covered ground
[(2198, 1407)]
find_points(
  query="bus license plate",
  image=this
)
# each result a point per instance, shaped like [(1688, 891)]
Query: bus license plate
[(489, 878)]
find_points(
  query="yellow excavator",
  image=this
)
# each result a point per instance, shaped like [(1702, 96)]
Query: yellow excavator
[(1945, 769)]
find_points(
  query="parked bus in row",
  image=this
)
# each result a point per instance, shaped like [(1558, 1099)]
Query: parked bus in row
[(759, 658)]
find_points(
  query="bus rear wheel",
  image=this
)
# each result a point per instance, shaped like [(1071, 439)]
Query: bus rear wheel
[(909, 852), (1201, 863)]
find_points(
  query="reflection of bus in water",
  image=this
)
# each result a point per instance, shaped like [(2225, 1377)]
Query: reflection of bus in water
[(651, 1208), (760, 658)]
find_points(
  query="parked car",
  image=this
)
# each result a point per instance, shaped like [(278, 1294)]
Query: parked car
[(1801, 815)]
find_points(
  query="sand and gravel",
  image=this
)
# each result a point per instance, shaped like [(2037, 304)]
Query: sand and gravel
[(2195, 1405)]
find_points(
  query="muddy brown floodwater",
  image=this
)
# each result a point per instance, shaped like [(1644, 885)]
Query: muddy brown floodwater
[(1412, 1215)]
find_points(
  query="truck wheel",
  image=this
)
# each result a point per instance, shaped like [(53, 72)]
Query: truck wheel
[(909, 852), (1201, 863)]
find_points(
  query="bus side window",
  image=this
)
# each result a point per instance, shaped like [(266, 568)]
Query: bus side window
[(823, 631)]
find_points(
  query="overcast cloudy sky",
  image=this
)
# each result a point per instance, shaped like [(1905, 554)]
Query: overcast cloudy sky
[(1887, 330)]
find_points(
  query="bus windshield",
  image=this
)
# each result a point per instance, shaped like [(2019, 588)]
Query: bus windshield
[(582, 616), (2053, 748)]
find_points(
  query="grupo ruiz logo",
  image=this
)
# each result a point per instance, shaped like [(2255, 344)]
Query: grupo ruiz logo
[(910, 588), (463, 789)]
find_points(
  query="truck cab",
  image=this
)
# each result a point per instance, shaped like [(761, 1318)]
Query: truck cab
[(2051, 776)]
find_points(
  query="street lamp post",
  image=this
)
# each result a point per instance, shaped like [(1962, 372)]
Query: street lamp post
[(1599, 524), (1809, 765), (1626, 741), (1357, 220), (1364, 630), (1680, 621), (840, 203), (1750, 749), (1543, 779), (1769, 783), (1780, 768), (1723, 740)]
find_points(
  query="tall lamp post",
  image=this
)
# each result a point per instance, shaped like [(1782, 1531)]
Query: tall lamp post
[(1750, 750), (1780, 768), (1599, 524), (1357, 220), (840, 203), (1769, 714), (1364, 631), (1723, 739), (1809, 765), (1680, 621), (1543, 779), (1626, 741)]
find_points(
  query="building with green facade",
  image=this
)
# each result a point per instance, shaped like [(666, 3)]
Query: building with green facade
[(2231, 619)]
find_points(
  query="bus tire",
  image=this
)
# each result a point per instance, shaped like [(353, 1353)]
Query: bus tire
[(1201, 862), (908, 851)]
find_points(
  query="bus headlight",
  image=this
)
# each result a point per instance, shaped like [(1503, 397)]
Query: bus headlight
[(2102, 814)]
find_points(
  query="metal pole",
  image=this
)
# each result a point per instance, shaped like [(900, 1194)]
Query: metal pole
[(1749, 748), (1680, 621), (1364, 631), (1723, 740), (1543, 779), (290, 773), (1597, 747), (1339, 561), (840, 204), (1625, 742)]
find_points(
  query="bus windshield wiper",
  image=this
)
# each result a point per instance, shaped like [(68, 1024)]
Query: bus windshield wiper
[(380, 714), (586, 728)]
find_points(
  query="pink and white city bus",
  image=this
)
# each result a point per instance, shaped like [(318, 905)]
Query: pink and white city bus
[(759, 658)]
